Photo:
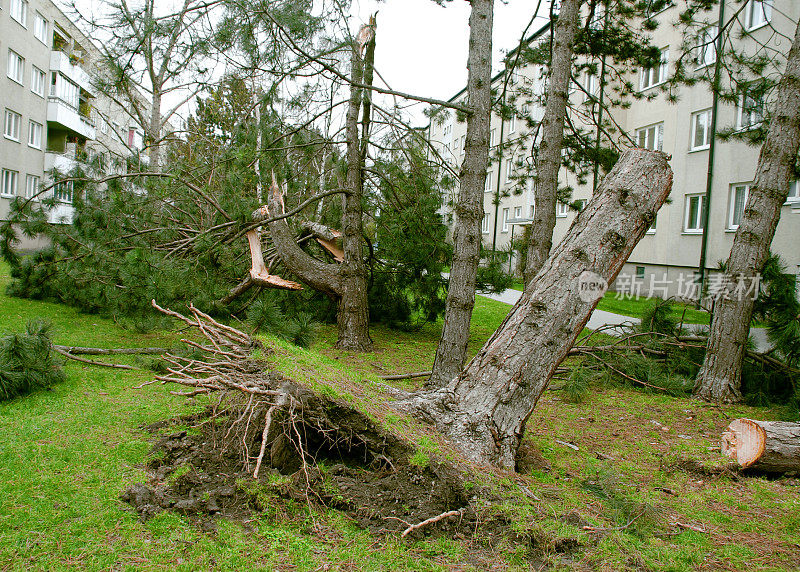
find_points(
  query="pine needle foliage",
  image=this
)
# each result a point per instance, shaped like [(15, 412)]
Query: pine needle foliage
[(27, 362)]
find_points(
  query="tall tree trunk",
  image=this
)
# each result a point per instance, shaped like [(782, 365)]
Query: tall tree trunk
[(452, 350), (353, 315), (720, 377), (484, 410), (154, 130), (546, 189)]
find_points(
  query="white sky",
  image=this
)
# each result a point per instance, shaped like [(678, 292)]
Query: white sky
[(421, 46)]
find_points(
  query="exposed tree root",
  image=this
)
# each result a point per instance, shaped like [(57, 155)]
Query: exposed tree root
[(331, 452)]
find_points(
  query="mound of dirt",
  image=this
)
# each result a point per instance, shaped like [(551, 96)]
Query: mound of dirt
[(324, 452)]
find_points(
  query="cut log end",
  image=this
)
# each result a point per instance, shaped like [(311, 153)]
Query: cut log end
[(744, 442), (772, 446)]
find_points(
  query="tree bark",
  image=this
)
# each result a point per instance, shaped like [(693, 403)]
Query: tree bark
[(484, 410), (353, 315), (772, 446), (720, 377), (451, 352), (546, 189), (319, 275)]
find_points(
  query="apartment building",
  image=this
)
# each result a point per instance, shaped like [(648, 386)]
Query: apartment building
[(667, 260), (52, 115)]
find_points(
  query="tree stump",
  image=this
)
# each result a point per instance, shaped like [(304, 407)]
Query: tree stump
[(772, 446)]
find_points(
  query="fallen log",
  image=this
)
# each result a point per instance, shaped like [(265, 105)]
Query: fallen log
[(772, 446)]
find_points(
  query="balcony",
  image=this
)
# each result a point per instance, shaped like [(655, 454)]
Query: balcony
[(60, 62), (67, 117)]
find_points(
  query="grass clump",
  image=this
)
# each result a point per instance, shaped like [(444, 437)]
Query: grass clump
[(27, 362)]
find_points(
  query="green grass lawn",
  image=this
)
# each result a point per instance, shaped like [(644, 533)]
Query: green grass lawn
[(66, 454)]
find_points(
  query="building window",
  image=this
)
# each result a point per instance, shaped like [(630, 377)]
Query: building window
[(16, 66), (590, 86), (651, 137), (38, 79), (488, 184), (794, 192), (9, 183), (11, 125), (525, 109), (40, 28), (19, 11), (517, 213), (492, 138), (757, 13), (738, 200), (66, 90), (505, 220), (751, 106), (705, 50), (63, 192), (561, 209), (31, 186), (701, 130), (695, 212), (461, 146), (509, 168), (640, 272), (531, 211), (35, 135), (512, 124), (653, 76), (652, 229), (485, 224)]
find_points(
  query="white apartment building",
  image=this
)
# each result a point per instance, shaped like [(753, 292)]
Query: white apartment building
[(667, 259), (52, 114)]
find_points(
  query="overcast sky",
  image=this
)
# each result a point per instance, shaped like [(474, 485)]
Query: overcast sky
[(421, 46)]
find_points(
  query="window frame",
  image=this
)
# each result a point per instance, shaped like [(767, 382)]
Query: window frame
[(561, 209), (36, 27), (31, 131), (485, 223), (793, 199), (707, 138), (750, 11), (687, 210), (730, 223), (22, 12), (658, 135), (19, 67), (5, 174), (30, 193), (487, 184), (36, 72), (661, 72), (756, 112), (10, 113), (506, 214), (705, 42)]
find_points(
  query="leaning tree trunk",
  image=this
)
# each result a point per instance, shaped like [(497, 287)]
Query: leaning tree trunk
[(772, 446), (451, 352), (720, 377), (484, 409), (546, 189)]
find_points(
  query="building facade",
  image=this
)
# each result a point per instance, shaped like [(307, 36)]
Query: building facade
[(666, 262), (53, 116)]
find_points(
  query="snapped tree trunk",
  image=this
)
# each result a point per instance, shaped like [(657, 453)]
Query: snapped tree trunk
[(546, 188), (451, 352), (772, 446), (720, 377), (353, 315), (484, 410)]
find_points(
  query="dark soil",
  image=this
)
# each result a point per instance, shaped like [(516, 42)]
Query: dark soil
[(319, 451)]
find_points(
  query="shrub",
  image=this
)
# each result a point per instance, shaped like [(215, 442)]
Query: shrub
[(27, 362)]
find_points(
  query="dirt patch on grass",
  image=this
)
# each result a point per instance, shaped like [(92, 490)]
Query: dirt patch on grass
[(317, 451)]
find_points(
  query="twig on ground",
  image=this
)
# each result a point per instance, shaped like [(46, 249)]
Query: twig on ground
[(431, 520), (92, 362)]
